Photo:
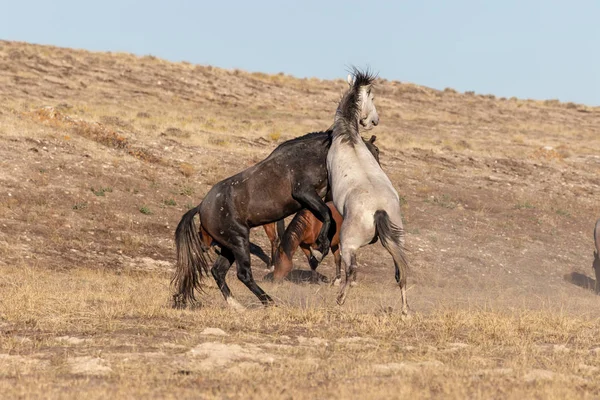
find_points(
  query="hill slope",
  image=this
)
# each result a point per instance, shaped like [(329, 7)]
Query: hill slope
[(102, 153)]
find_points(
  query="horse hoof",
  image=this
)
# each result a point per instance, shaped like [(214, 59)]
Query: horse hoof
[(353, 284), (233, 303), (336, 282), (341, 299), (316, 256)]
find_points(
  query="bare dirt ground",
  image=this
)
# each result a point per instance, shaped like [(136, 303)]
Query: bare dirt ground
[(101, 154)]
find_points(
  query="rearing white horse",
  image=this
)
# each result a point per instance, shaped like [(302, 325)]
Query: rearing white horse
[(361, 191)]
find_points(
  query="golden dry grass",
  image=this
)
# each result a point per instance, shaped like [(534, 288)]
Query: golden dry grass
[(144, 348), (102, 153)]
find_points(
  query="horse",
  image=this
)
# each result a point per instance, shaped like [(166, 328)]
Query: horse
[(596, 262), (360, 189), (302, 232), (292, 177)]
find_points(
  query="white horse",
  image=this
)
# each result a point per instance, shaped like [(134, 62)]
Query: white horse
[(361, 191)]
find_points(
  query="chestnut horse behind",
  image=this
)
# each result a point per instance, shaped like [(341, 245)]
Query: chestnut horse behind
[(303, 232)]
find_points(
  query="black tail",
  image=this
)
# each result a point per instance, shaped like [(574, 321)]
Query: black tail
[(191, 261), (392, 238)]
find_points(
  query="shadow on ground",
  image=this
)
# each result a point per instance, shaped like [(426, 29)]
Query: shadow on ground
[(299, 276), (581, 280)]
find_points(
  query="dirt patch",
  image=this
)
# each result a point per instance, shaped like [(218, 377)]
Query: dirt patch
[(90, 366), (407, 367), (210, 355)]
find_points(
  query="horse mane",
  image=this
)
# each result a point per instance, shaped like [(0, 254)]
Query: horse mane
[(294, 232), (348, 111), (306, 138)]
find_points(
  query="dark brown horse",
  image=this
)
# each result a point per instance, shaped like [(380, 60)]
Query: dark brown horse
[(292, 177), (302, 232)]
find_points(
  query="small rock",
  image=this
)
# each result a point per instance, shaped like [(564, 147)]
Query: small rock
[(536, 375), (214, 332), (89, 366), (70, 340)]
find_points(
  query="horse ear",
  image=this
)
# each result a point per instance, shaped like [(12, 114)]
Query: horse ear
[(350, 80), (372, 140)]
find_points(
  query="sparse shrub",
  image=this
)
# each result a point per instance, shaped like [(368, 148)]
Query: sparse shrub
[(113, 120), (218, 142), (470, 93), (101, 191), (187, 169), (444, 201), (571, 105), (143, 114), (176, 132), (186, 191), (526, 205), (80, 206), (449, 90), (275, 135), (170, 202), (144, 155), (145, 210)]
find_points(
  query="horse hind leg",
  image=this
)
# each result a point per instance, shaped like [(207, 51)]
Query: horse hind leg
[(349, 259), (241, 253), (396, 250), (337, 281), (219, 272)]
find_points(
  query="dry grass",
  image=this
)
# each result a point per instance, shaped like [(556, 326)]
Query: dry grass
[(101, 154), (144, 348)]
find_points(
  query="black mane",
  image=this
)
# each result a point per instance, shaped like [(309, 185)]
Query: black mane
[(308, 137)]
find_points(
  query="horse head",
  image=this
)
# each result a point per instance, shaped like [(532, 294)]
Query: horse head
[(368, 112)]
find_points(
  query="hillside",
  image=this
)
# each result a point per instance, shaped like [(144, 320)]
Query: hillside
[(101, 154)]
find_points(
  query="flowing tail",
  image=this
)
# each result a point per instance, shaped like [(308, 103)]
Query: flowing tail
[(191, 260), (392, 238)]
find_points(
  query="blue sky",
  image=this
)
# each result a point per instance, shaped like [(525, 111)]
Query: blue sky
[(528, 48)]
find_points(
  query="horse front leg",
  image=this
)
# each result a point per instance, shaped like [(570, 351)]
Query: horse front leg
[(309, 199)]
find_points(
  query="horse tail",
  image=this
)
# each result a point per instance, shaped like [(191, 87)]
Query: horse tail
[(392, 238), (191, 260)]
